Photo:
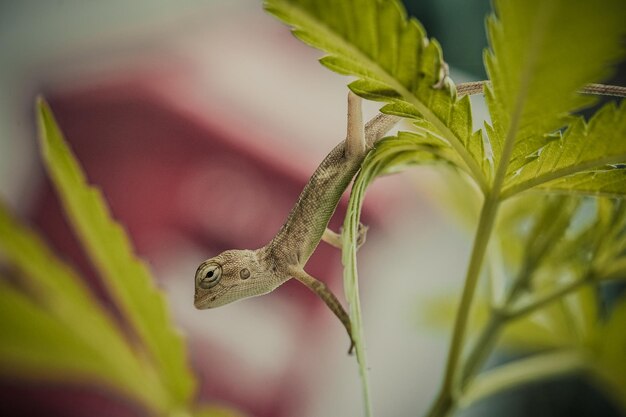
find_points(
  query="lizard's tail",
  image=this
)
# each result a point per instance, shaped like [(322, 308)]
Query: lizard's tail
[(376, 128)]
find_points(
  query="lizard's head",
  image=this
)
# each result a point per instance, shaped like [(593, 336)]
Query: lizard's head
[(231, 276)]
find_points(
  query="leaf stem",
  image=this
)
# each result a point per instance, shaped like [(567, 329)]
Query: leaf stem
[(501, 316), (548, 298), (483, 346), (488, 213), (481, 239)]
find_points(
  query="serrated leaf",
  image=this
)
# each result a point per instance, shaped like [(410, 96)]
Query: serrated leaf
[(541, 53), (368, 172), (36, 345), (60, 295), (582, 147), (127, 278), (609, 181), (394, 62), (33, 341), (390, 155)]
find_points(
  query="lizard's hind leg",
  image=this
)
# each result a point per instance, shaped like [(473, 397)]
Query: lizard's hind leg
[(355, 139), (319, 288)]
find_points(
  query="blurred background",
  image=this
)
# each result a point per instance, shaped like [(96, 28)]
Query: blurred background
[(201, 121)]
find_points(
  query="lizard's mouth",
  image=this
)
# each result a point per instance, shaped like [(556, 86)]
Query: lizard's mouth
[(208, 300)]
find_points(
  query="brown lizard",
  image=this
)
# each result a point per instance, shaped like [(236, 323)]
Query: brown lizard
[(236, 274)]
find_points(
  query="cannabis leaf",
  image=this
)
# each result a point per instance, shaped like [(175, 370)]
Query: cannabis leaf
[(52, 332), (533, 44), (390, 154), (377, 162), (394, 62), (608, 181), (583, 147), (110, 250)]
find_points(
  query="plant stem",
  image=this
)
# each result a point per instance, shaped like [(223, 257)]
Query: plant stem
[(483, 346), (485, 225), (547, 299), (443, 406), (488, 213), (501, 317)]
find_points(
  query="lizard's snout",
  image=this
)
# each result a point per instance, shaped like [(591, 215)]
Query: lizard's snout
[(197, 301)]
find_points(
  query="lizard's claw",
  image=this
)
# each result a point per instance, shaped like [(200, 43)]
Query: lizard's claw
[(351, 349), (361, 235)]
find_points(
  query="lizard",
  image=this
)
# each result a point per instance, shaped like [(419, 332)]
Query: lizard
[(240, 273)]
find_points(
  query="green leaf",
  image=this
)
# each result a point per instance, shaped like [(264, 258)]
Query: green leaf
[(581, 148), (390, 154), (126, 276), (524, 334), (421, 147), (60, 300), (610, 181), (34, 342), (394, 62), (595, 346), (524, 371), (368, 172), (542, 52), (608, 236)]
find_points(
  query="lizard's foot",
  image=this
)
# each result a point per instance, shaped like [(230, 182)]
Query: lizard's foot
[(334, 238), (361, 235)]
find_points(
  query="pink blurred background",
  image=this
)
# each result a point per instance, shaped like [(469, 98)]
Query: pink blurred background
[(201, 122)]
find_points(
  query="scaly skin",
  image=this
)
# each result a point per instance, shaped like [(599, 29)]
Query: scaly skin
[(237, 274)]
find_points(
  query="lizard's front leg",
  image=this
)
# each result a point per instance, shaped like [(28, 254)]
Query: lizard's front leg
[(319, 288), (335, 239)]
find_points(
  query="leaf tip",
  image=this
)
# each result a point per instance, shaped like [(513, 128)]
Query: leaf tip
[(42, 108)]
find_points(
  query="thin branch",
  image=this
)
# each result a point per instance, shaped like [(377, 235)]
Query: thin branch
[(445, 401), (550, 297)]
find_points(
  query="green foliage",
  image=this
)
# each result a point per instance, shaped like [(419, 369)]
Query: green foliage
[(49, 330), (541, 54), (536, 64), (394, 62), (108, 247), (387, 155), (583, 147), (53, 327)]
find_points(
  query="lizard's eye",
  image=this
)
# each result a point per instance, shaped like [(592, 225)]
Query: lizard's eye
[(209, 276)]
